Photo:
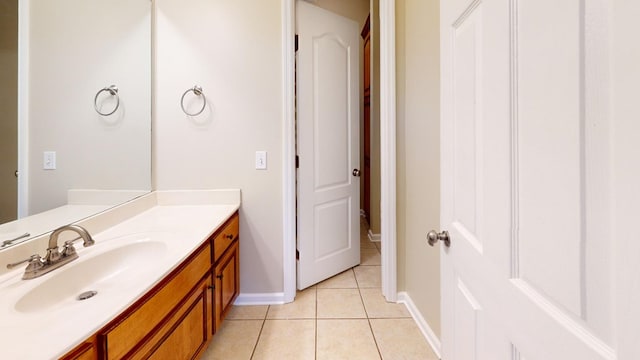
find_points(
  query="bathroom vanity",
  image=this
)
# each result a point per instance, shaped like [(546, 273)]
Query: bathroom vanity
[(165, 278), (176, 318)]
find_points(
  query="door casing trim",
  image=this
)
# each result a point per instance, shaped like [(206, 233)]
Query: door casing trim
[(387, 150)]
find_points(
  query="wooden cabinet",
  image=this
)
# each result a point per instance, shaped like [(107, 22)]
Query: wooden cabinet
[(223, 238), (139, 331), (190, 335), (226, 270), (177, 318), (85, 351), (227, 283)]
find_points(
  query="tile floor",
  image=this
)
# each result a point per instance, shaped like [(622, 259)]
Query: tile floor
[(344, 317)]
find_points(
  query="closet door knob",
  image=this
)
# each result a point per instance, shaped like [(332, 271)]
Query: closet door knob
[(356, 172), (433, 237)]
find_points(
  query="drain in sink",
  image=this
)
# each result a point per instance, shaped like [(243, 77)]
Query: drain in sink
[(86, 295)]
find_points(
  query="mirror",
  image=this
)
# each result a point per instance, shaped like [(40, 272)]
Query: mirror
[(82, 147)]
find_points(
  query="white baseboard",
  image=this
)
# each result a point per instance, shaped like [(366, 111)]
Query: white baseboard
[(374, 237), (260, 299), (428, 333)]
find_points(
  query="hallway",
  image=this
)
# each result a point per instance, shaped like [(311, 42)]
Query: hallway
[(344, 317)]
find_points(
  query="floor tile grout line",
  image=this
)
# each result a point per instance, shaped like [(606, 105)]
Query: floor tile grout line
[(342, 318), (356, 277), (338, 318), (362, 300), (375, 341), (315, 345), (264, 320), (373, 335), (316, 318)]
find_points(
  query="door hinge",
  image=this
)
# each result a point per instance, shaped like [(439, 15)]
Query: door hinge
[(297, 162), (296, 43), (297, 254)]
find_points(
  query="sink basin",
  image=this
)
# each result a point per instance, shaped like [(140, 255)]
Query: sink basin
[(108, 272)]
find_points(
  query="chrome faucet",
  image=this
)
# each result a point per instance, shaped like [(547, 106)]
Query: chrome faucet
[(54, 259), (54, 255)]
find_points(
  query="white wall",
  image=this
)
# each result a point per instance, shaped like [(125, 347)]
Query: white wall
[(233, 50), (418, 186), (77, 47)]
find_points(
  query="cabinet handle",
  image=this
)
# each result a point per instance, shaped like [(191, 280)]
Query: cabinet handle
[(219, 276), (229, 236), (211, 287)]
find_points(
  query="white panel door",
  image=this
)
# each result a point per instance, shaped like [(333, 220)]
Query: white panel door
[(526, 180), (328, 144)]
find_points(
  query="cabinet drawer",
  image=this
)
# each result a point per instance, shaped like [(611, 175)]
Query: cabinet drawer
[(136, 324), (222, 241)]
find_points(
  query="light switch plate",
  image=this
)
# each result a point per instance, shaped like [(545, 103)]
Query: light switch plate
[(49, 161), (261, 160)]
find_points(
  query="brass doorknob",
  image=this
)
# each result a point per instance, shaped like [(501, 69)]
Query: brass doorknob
[(433, 237)]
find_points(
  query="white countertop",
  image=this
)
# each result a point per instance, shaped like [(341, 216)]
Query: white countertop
[(182, 220)]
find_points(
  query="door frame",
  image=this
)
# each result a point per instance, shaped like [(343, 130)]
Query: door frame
[(387, 149), (23, 108)]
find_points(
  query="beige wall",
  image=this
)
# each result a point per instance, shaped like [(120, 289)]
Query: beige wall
[(418, 117), (356, 10), (374, 218), (216, 150), (233, 50), (77, 47), (8, 110)]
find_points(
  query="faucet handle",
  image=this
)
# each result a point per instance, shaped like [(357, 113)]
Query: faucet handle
[(70, 242), (69, 249), (35, 262)]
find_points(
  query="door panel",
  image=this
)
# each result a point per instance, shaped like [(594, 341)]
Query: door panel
[(332, 225), (467, 45), (550, 148), (331, 111), (328, 144), (525, 181), (466, 326)]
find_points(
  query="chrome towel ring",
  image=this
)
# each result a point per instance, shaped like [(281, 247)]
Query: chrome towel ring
[(113, 90), (197, 90)]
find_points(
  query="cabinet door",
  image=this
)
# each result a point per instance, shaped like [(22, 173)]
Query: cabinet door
[(189, 336), (227, 283)]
